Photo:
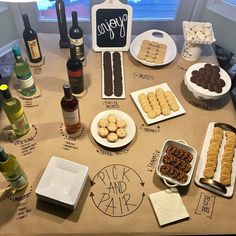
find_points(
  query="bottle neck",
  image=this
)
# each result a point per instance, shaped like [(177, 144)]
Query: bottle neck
[(73, 55), (74, 19), (26, 21), (67, 92), (6, 95), (16, 52), (3, 155)]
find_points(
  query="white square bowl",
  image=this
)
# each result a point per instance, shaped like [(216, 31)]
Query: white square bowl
[(62, 182)]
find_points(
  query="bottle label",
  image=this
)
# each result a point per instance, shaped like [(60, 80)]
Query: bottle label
[(71, 118), (79, 45), (34, 49), (75, 74), (18, 120), (26, 81), (19, 181)]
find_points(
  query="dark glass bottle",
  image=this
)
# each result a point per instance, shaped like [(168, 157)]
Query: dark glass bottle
[(70, 110), (31, 41), (76, 36), (75, 72)]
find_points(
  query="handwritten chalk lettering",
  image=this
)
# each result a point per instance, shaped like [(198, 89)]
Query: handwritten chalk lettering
[(111, 24), (117, 190), (146, 129), (206, 205), (138, 75), (151, 166), (202, 105)]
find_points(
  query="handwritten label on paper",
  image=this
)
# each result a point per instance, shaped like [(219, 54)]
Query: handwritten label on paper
[(31, 101), (151, 166), (20, 201), (155, 129), (26, 143), (137, 75), (117, 190), (110, 153), (70, 139), (111, 104), (206, 205)]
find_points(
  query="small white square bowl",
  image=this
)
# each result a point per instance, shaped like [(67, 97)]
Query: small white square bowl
[(62, 182)]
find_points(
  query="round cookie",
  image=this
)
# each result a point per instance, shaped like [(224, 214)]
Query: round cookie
[(121, 123), (112, 118), (112, 127), (103, 132), (103, 123), (112, 137), (121, 133)]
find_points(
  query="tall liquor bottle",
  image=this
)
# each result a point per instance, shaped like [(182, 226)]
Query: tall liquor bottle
[(12, 171), (14, 112), (70, 110), (75, 72), (76, 36), (23, 73), (31, 41)]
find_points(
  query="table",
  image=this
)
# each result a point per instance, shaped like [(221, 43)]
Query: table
[(128, 211)]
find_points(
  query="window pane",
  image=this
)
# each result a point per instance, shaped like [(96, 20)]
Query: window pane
[(47, 9), (231, 1)]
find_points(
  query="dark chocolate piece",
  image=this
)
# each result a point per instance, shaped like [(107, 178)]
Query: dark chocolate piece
[(108, 86), (117, 70)]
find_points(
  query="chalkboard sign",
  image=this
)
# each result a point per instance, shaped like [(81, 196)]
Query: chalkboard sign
[(111, 26)]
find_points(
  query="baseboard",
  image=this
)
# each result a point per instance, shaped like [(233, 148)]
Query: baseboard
[(7, 48)]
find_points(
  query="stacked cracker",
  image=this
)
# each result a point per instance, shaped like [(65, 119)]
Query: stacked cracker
[(152, 51), (212, 153), (158, 102), (227, 158)]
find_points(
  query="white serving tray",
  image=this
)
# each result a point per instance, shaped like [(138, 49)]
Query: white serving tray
[(149, 121), (62, 182), (171, 49), (202, 162)]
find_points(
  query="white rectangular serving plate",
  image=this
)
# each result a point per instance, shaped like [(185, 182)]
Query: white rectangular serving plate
[(113, 96), (149, 121), (62, 182), (202, 162)]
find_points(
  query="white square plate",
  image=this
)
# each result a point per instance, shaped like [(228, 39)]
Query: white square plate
[(62, 182), (161, 117)]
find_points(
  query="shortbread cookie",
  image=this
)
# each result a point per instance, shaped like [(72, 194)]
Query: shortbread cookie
[(121, 123), (112, 118), (112, 137), (152, 114), (121, 133), (103, 122), (103, 132), (112, 127)]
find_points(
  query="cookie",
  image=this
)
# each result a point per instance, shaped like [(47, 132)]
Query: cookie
[(121, 133), (152, 114), (112, 127), (112, 137), (103, 132), (121, 123), (103, 122), (112, 118)]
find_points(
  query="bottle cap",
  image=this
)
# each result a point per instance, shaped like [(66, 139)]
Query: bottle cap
[(3, 155), (16, 51), (5, 91)]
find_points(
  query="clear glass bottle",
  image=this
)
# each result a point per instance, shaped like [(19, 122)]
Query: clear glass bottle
[(76, 37), (70, 110), (23, 73), (31, 41), (12, 171), (14, 112), (75, 72)]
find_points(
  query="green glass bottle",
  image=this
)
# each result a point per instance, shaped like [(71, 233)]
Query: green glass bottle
[(12, 171), (14, 112), (23, 73)]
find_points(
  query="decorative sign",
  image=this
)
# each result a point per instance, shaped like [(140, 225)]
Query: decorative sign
[(111, 26)]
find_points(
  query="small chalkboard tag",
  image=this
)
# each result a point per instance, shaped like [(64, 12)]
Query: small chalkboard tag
[(111, 26)]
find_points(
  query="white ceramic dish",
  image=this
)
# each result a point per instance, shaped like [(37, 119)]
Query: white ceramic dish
[(201, 93), (183, 145), (131, 129), (149, 121), (113, 96), (150, 35), (202, 162), (62, 182)]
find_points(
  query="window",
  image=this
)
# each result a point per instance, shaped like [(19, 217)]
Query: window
[(164, 15)]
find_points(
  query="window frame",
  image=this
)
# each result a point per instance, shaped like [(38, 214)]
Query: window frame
[(188, 10)]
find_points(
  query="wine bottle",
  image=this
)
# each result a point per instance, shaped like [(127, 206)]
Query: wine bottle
[(14, 112), (12, 171), (31, 41), (23, 73), (76, 36), (70, 110), (75, 72)]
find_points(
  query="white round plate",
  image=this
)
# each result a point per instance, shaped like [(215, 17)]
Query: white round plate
[(202, 93), (165, 38), (131, 128)]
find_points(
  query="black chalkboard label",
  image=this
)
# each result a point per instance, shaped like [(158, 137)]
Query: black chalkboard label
[(112, 27)]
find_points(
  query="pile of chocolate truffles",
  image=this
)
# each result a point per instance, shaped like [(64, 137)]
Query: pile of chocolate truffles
[(208, 77)]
